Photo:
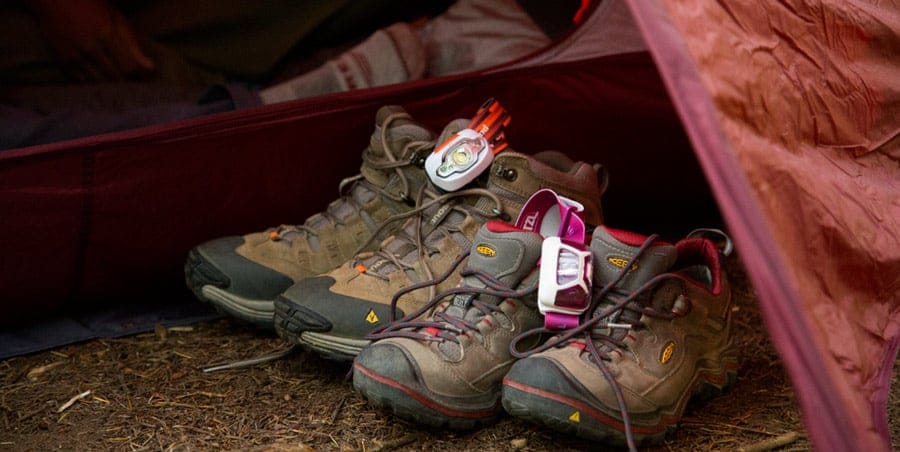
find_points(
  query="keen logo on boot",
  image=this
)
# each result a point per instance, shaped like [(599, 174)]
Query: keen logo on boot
[(620, 262), (667, 353), (486, 250)]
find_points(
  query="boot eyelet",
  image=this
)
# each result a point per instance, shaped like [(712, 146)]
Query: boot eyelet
[(682, 306), (506, 173)]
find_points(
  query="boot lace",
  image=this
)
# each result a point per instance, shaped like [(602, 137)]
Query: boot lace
[(414, 237), (444, 326)]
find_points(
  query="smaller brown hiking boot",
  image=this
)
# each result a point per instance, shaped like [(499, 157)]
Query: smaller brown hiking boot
[(658, 333), (445, 370), (242, 275)]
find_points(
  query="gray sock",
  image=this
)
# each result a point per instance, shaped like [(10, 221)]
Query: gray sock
[(475, 34), (391, 55)]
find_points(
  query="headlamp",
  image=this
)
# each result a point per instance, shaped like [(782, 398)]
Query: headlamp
[(466, 154), (564, 288)]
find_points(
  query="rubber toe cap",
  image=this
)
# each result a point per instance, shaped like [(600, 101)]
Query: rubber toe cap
[(217, 263), (312, 302)]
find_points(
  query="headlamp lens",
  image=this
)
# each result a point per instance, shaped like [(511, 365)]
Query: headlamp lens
[(462, 156), (566, 271), (573, 272)]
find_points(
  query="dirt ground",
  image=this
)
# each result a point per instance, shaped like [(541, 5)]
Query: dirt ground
[(148, 392)]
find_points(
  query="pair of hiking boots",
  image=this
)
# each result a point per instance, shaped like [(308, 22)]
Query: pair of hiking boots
[(385, 275)]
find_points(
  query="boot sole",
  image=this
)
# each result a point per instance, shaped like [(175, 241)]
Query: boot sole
[(331, 347), (411, 404), (290, 327), (579, 417), (260, 313), (201, 278)]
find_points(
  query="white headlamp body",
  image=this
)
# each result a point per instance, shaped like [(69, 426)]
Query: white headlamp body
[(459, 161)]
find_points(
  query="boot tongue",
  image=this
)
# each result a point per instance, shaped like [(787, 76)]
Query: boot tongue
[(400, 131), (503, 251), (614, 250)]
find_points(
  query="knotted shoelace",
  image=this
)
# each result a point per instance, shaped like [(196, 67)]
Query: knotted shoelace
[(443, 325), (427, 197)]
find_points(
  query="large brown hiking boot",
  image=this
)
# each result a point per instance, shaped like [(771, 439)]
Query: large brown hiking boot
[(332, 313), (659, 333), (445, 370), (242, 275)]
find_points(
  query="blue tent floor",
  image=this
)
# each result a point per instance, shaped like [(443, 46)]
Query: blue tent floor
[(108, 322)]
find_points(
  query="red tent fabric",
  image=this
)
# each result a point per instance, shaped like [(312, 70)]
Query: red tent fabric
[(780, 116), (792, 109)]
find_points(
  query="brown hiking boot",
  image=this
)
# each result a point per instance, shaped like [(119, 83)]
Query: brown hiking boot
[(332, 313), (242, 275), (446, 369), (658, 334)]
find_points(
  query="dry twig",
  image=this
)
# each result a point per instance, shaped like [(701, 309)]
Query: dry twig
[(36, 372), (73, 400), (397, 442), (772, 443)]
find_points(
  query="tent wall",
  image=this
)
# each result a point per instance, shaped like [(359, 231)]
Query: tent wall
[(802, 98)]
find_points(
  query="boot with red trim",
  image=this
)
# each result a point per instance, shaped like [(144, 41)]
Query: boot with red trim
[(657, 334), (445, 370)]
